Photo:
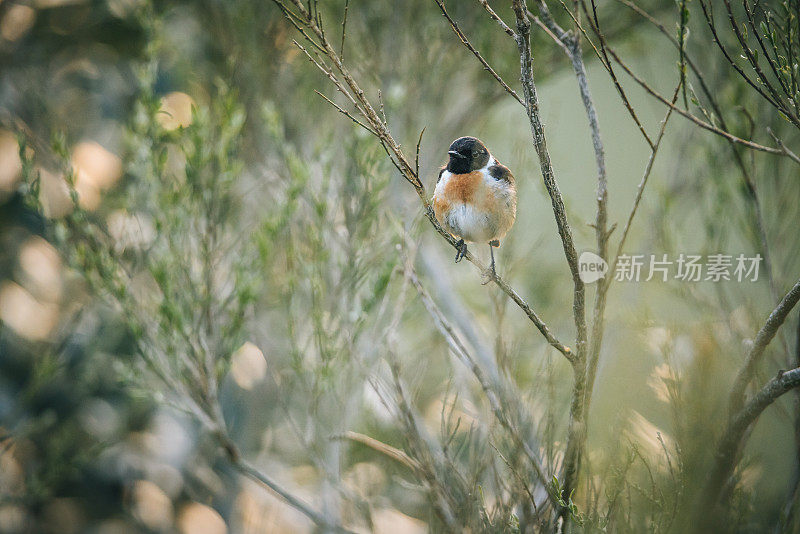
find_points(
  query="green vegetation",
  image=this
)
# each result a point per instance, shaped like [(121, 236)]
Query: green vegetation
[(226, 305)]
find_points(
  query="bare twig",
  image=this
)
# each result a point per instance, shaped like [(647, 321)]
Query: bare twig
[(594, 24), (640, 189), (576, 428), (572, 47), (416, 158), (345, 112), (740, 421), (387, 450), (605, 283), (699, 122), (762, 339), (465, 42), (783, 147), (344, 28), (251, 472), (497, 18)]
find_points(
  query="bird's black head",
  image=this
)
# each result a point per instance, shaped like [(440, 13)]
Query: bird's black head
[(467, 154)]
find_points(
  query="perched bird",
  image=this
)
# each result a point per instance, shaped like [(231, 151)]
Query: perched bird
[(475, 197)]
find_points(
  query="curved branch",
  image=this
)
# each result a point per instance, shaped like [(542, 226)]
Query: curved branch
[(245, 468), (780, 151), (465, 42), (251, 472), (731, 441), (763, 338)]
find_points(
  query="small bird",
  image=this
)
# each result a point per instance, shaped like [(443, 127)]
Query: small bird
[(475, 197)]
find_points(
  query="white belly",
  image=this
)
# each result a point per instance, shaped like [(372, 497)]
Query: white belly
[(469, 223)]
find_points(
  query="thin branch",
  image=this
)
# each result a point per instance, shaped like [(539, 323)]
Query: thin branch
[(465, 42), (344, 28), (730, 444), (605, 283), (516, 474), (781, 151), (561, 43), (783, 147), (535, 319), (345, 113), (416, 158), (251, 472), (576, 428), (497, 18), (382, 109), (643, 183), (710, 127), (387, 450), (762, 339), (607, 63), (245, 468)]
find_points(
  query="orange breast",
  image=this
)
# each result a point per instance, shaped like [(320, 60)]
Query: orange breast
[(440, 207), (463, 187)]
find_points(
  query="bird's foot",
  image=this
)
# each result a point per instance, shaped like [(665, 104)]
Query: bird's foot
[(488, 275), (462, 250), (491, 273)]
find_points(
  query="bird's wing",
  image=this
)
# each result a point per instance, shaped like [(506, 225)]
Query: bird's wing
[(501, 172)]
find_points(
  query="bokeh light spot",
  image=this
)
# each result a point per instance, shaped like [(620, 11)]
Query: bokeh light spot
[(17, 22), (28, 317), (196, 518), (248, 366), (176, 110)]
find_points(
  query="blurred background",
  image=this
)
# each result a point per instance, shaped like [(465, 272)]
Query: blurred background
[(189, 179)]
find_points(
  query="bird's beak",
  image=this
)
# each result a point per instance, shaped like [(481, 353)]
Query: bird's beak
[(456, 154)]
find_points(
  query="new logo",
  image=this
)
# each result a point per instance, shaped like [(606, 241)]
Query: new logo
[(591, 267)]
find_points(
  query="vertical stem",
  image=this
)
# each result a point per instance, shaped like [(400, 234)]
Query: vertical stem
[(576, 429), (601, 219)]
